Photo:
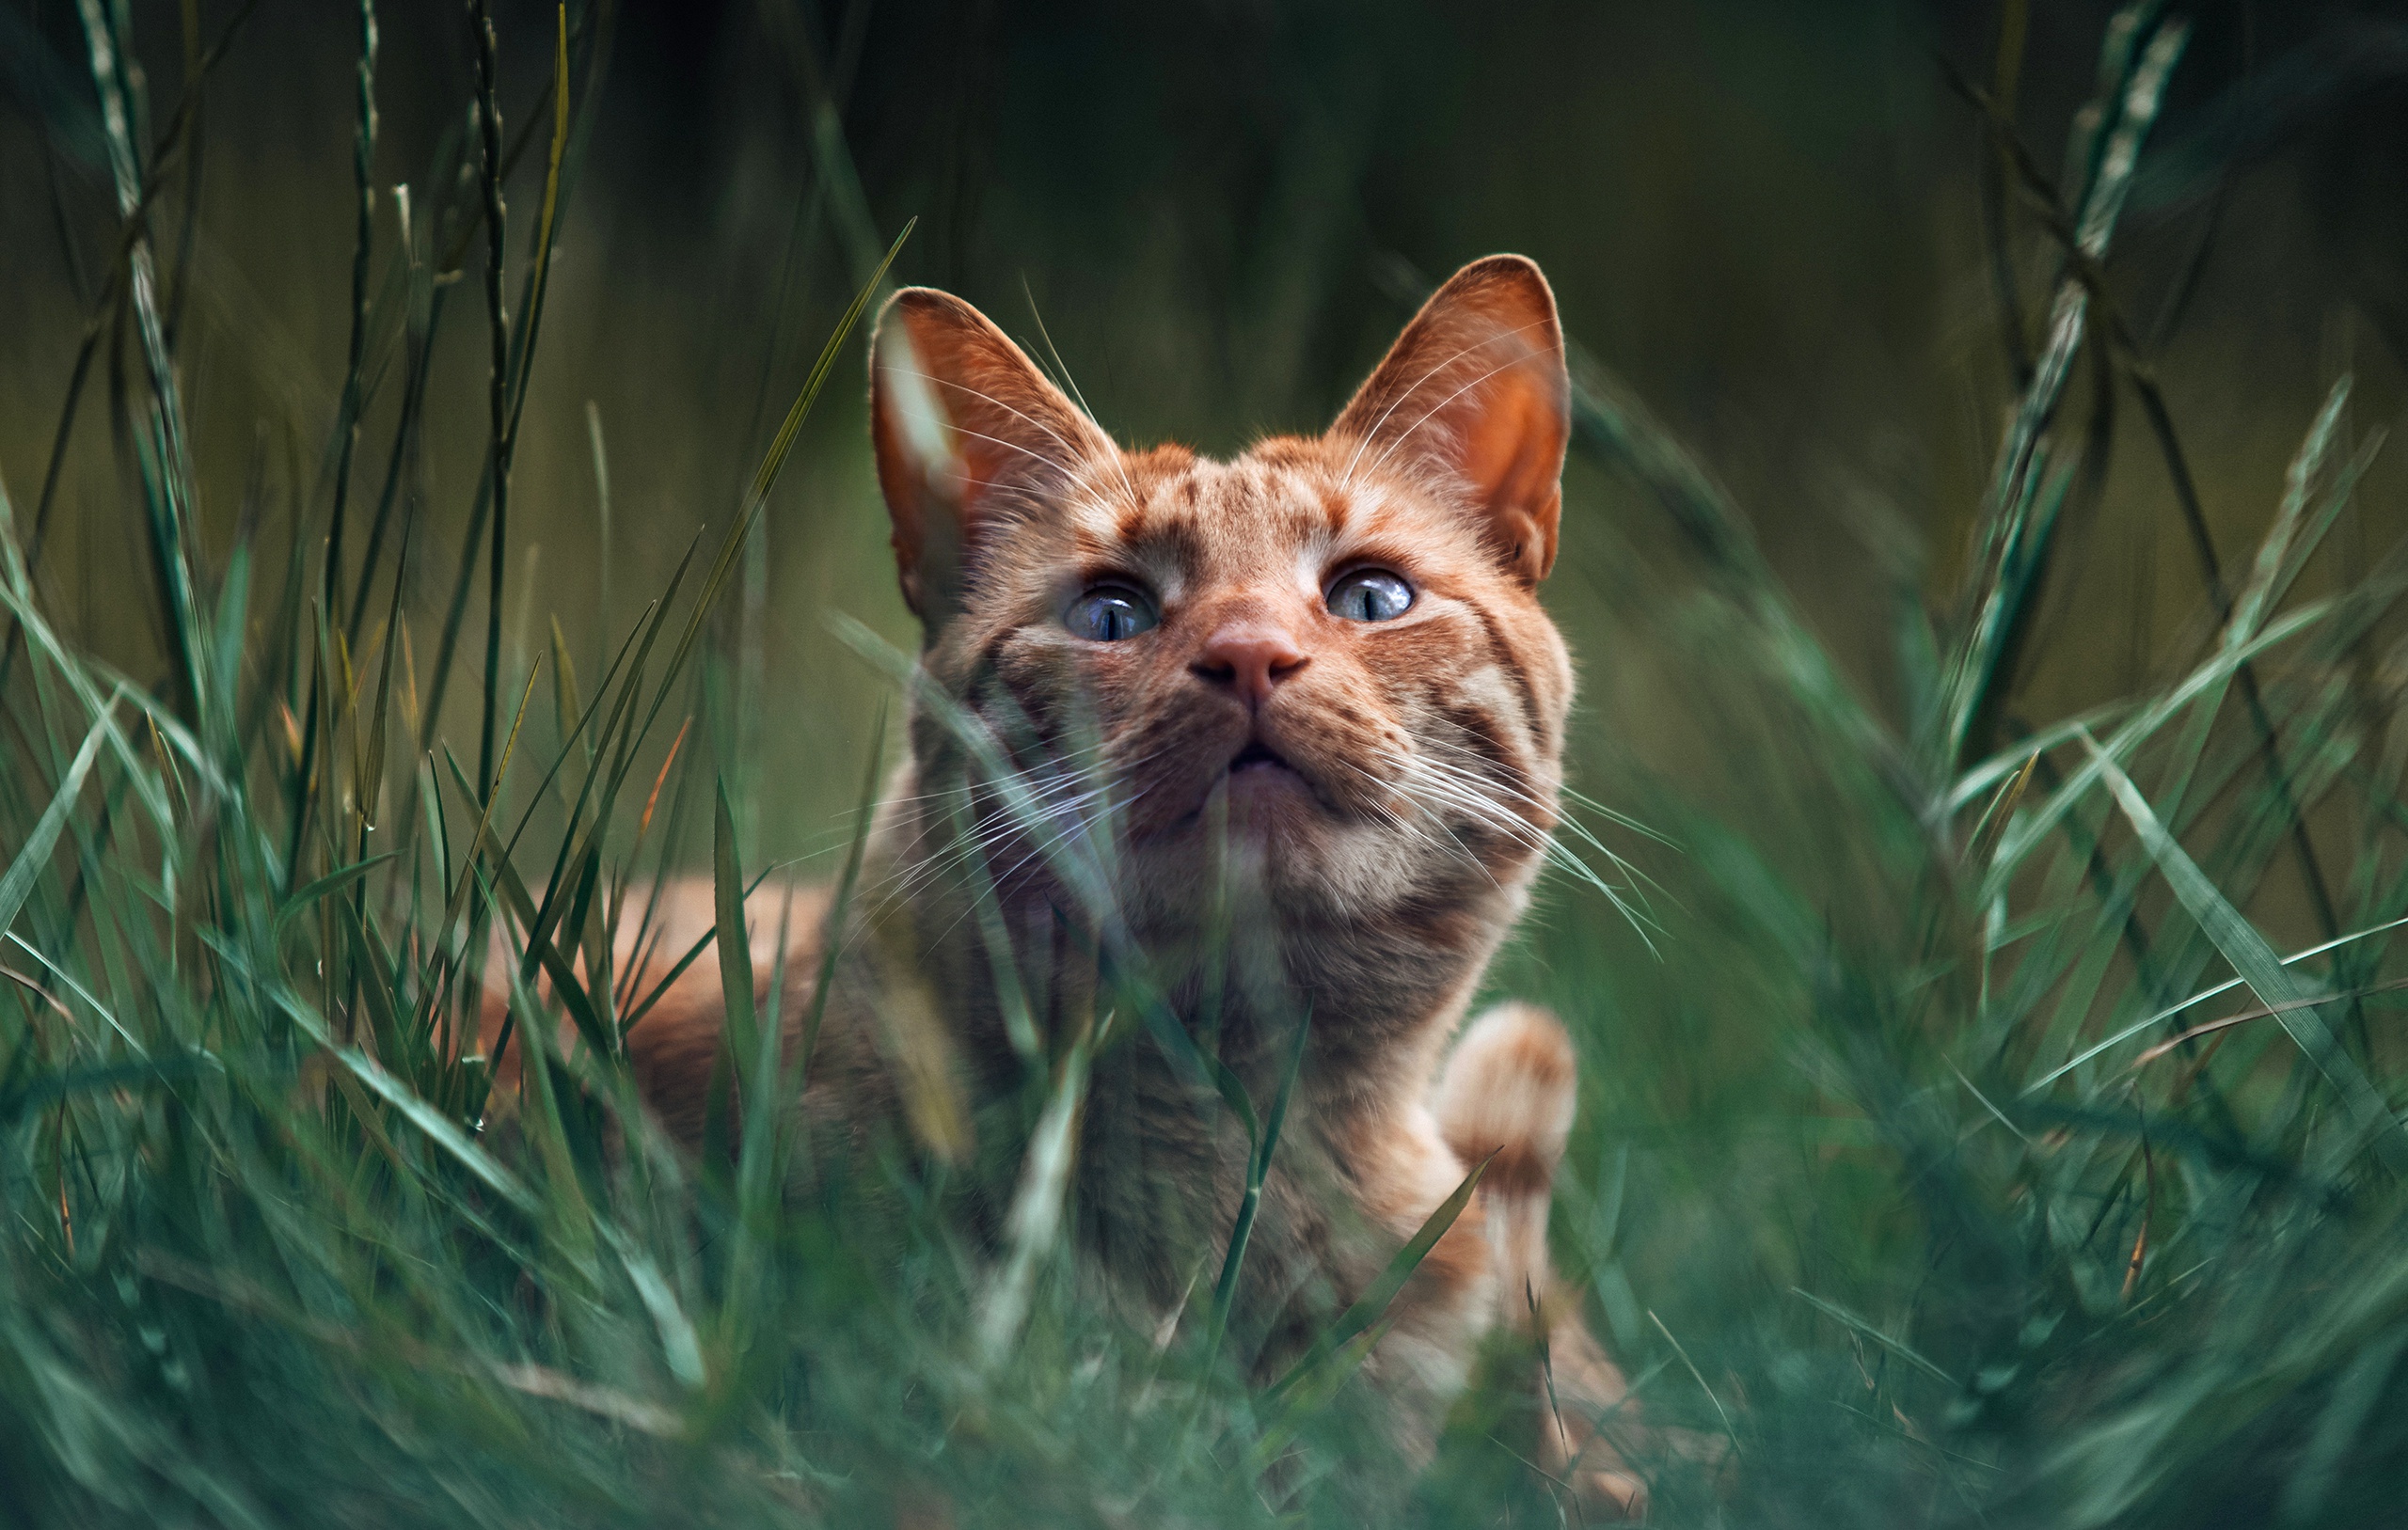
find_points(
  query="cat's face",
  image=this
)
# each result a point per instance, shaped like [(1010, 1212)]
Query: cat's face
[(1327, 655)]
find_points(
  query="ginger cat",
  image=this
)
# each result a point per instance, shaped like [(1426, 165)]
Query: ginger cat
[(1308, 700)]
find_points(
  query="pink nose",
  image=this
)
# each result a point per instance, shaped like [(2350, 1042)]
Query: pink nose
[(1250, 657)]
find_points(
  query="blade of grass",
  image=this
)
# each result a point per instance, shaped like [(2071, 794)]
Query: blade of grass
[(363, 165), (2255, 961), (2132, 104), (1258, 1169), (734, 952), (163, 156), (34, 854), (2160, 1017), (1697, 1376), (437, 1126), (832, 941), (1033, 1225), (2021, 836), (333, 882), (538, 280), (1367, 1308), (1856, 1325), (498, 381)]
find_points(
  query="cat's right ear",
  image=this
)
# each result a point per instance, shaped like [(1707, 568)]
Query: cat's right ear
[(1475, 394), (970, 438)]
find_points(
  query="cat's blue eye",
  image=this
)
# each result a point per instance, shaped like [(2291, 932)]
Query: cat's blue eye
[(1370, 594), (1109, 613)]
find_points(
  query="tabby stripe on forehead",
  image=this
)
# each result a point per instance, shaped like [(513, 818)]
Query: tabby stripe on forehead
[(1336, 506), (1129, 521), (1535, 717)]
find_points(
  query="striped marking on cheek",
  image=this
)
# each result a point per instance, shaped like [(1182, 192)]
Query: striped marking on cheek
[(987, 662), (1476, 733), (1486, 704), (1032, 676), (1510, 661)]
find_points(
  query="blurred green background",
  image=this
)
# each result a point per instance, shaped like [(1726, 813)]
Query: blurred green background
[(1768, 222), (1766, 219)]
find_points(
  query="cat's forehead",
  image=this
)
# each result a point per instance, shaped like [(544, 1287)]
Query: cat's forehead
[(1283, 497)]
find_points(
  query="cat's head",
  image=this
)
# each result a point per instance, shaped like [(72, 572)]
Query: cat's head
[(1329, 650)]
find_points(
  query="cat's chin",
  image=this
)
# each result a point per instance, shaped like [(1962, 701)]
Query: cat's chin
[(1287, 850)]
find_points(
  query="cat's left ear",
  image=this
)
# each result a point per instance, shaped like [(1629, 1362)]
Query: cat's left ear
[(971, 437), (1475, 393)]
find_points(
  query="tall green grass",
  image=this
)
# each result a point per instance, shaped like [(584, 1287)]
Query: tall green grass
[(2058, 1193)]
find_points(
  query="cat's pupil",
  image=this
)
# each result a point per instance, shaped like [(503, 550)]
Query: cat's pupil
[(1370, 595), (1109, 615)]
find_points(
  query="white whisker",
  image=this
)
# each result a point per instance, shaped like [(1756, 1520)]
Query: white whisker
[(1432, 414), (1035, 803), (1562, 819), (1394, 404), (1119, 464), (1442, 785), (1061, 832), (1415, 828)]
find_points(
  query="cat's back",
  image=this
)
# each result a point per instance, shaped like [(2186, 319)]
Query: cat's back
[(669, 991), (674, 1042)]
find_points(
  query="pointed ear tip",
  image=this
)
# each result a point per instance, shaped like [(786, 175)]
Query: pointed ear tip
[(927, 319), (1504, 267), (916, 306), (1511, 278), (1507, 260)]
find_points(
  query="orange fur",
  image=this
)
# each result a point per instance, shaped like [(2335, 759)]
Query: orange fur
[(1365, 868)]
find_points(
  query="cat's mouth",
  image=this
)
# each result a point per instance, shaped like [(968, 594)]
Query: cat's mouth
[(1265, 781), (1258, 780), (1261, 786), (1258, 755)]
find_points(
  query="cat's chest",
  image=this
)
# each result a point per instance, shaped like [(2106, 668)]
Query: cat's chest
[(1163, 1183)]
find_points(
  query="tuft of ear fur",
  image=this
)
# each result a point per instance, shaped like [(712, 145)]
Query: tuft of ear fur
[(1475, 392), (968, 433), (1507, 1096)]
